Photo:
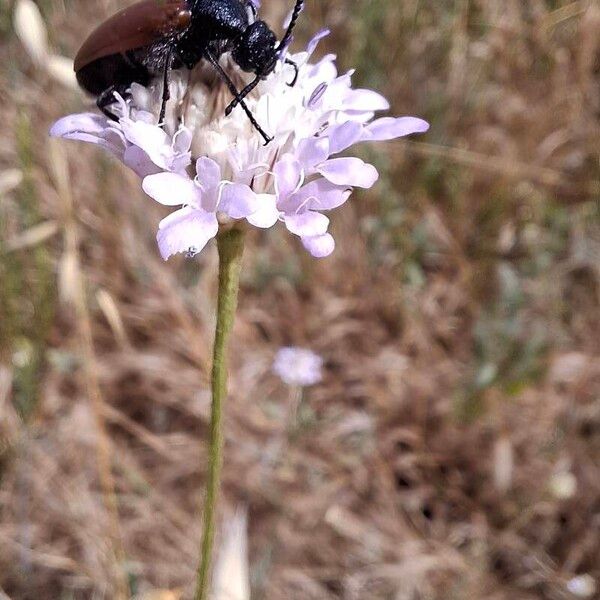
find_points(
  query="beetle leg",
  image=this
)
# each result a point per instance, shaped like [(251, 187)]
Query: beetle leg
[(107, 98), (166, 94), (241, 95), (296, 71), (227, 81)]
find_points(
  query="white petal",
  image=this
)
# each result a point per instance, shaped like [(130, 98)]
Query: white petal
[(187, 230), (172, 189), (238, 201), (389, 128), (319, 246), (267, 214), (287, 175), (151, 139), (349, 171), (139, 162), (91, 128), (365, 100), (307, 224), (343, 136), (313, 151), (314, 42), (319, 194), (208, 173)]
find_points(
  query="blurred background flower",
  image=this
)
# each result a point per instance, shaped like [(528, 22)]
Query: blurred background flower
[(298, 366)]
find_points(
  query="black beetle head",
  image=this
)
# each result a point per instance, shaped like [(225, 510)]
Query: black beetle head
[(255, 50)]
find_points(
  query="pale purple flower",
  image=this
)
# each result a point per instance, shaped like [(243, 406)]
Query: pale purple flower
[(298, 366), (293, 180), (582, 586)]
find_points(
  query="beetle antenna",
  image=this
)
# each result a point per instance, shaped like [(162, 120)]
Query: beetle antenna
[(288, 34)]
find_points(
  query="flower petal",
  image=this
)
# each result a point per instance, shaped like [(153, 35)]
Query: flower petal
[(343, 136), (208, 173), (267, 214), (313, 151), (389, 128), (91, 128), (322, 72), (319, 246), (316, 97), (319, 194), (238, 201), (314, 42), (172, 189), (287, 175), (187, 230), (139, 162), (349, 171), (364, 100), (150, 138), (79, 123), (307, 224), (182, 140)]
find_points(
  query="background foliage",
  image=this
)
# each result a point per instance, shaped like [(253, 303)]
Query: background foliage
[(453, 449)]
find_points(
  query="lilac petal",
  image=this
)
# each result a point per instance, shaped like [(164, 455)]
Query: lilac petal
[(287, 175), (267, 214), (316, 96), (172, 189), (319, 194), (319, 246), (187, 230), (349, 171), (182, 140), (91, 128), (179, 163), (99, 141), (79, 123), (314, 42), (238, 201), (364, 100), (150, 138), (389, 128), (307, 224), (343, 136), (139, 162), (298, 366), (324, 71), (153, 141), (312, 151), (208, 173)]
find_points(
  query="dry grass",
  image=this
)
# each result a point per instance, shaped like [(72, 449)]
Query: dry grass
[(458, 318)]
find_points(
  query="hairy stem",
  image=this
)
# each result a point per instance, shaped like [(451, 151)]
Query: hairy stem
[(231, 248)]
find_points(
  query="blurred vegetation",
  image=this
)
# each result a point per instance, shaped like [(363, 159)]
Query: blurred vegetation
[(459, 320), (28, 291)]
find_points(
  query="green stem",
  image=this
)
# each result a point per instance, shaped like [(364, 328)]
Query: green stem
[(231, 248)]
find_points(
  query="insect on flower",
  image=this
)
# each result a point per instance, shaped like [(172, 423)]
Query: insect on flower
[(152, 37), (210, 163)]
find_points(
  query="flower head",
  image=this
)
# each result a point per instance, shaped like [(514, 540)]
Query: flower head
[(298, 366), (214, 167), (582, 586)]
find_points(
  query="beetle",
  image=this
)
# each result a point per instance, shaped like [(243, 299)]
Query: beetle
[(152, 37)]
